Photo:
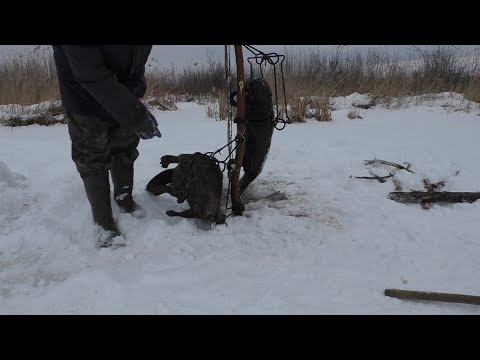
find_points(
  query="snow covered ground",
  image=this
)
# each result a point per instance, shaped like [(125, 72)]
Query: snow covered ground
[(332, 247)]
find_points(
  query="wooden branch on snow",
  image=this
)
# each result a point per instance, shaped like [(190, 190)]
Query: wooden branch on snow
[(414, 196), (431, 197), (375, 177), (433, 296), (388, 163), (382, 179)]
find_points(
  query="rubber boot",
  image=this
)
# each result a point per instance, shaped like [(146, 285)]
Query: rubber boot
[(97, 188), (122, 178)]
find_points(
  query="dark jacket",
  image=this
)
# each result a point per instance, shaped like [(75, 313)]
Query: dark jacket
[(103, 80)]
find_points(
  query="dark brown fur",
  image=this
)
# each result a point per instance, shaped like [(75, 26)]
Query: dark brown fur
[(259, 128), (197, 179)]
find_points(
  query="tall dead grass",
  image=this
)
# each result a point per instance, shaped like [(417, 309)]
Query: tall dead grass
[(30, 77)]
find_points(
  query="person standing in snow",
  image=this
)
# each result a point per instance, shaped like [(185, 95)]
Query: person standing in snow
[(100, 88)]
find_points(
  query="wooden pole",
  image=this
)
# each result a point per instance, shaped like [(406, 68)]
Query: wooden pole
[(434, 197), (433, 296), (237, 206)]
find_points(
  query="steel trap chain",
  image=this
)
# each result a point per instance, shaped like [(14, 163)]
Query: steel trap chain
[(261, 59)]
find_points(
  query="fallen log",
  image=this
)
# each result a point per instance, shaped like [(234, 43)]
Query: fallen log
[(433, 296), (434, 197)]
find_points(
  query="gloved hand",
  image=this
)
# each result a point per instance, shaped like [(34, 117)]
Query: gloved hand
[(149, 128)]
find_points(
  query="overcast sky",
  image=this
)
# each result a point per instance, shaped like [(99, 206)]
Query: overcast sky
[(180, 55)]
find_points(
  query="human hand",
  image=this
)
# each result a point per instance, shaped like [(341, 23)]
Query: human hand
[(149, 128)]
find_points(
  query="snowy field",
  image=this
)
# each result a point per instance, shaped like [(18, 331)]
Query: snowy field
[(331, 247)]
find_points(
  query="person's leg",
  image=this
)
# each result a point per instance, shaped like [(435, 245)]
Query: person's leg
[(123, 155), (91, 155)]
